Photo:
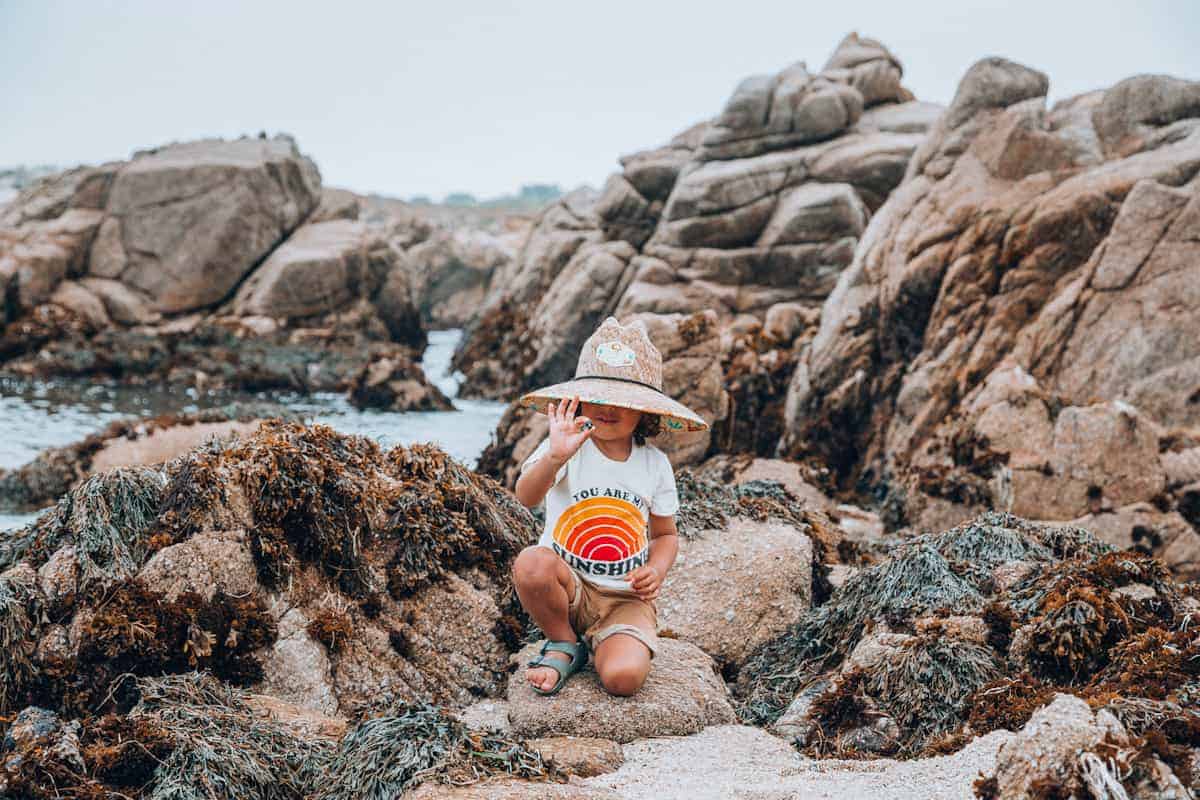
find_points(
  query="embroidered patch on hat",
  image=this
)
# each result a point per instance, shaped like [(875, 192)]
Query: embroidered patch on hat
[(615, 354)]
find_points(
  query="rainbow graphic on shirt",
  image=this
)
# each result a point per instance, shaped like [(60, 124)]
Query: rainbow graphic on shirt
[(602, 536)]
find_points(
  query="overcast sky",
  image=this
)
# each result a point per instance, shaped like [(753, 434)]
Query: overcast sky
[(430, 97)]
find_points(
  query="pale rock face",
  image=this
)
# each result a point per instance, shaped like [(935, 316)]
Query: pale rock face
[(163, 444), (207, 563), (184, 223), (735, 589), (451, 272), (682, 695), (320, 268), (297, 668)]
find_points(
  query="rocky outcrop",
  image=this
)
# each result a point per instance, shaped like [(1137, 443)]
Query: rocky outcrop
[(989, 346), (215, 265), (760, 207), (452, 271), (292, 560), (396, 384), (181, 225), (682, 695)]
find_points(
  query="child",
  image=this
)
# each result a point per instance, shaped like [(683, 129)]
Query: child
[(609, 538)]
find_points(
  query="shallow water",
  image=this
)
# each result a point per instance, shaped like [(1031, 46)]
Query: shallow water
[(37, 416)]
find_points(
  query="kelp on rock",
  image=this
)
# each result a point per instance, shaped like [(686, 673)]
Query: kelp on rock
[(386, 570)]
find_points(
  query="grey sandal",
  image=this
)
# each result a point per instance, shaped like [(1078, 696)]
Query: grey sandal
[(578, 651)]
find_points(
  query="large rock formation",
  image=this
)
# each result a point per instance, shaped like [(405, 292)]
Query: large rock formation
[(224, 264), (1016, 329), (757, 209)]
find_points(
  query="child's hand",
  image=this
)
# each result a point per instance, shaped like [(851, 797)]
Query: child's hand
[(567, 431), (645, 582)]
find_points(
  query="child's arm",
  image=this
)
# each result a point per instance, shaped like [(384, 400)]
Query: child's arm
[(664, 546), (567, 435)]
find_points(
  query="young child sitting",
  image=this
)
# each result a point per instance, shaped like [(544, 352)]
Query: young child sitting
[(592, 578)]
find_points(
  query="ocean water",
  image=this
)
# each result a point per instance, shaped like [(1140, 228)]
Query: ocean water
[(34, 417)]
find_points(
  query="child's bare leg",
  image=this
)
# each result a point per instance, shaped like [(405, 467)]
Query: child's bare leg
[(544, 585), (623, 663)]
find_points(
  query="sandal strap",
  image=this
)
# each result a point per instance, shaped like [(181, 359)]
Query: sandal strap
[(573, 649)]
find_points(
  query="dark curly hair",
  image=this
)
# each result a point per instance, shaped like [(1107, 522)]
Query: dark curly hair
[(649, 426)]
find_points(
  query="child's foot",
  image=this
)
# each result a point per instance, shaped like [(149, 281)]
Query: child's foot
[(544, 678)]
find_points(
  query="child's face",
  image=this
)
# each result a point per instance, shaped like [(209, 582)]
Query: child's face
[(612, 422)]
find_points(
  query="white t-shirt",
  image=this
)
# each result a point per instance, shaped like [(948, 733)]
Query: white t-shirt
[(598, 510)]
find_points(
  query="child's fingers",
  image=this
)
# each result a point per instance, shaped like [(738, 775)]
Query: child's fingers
[(552, 411), (574, 407)]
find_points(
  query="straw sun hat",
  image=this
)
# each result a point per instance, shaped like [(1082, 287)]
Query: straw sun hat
[(620, 366)]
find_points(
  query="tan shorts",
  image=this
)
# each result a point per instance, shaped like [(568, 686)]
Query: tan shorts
[(597, 613)]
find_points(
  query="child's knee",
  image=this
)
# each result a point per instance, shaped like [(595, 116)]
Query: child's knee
[(534, 566), (624, 678)]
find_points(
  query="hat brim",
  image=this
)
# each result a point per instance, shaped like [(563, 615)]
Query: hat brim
[(676, 417)]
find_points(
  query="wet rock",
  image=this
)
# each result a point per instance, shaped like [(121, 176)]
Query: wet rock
[(732, 590), (41, 735), (207, 563), (682, 694), (579, 755), (396, 384), (59, 578)]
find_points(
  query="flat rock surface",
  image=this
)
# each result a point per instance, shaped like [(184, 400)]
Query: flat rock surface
[(682, 695), (165, 444), (737, 761)]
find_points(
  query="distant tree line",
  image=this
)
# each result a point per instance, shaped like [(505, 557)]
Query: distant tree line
[(529, 196)]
